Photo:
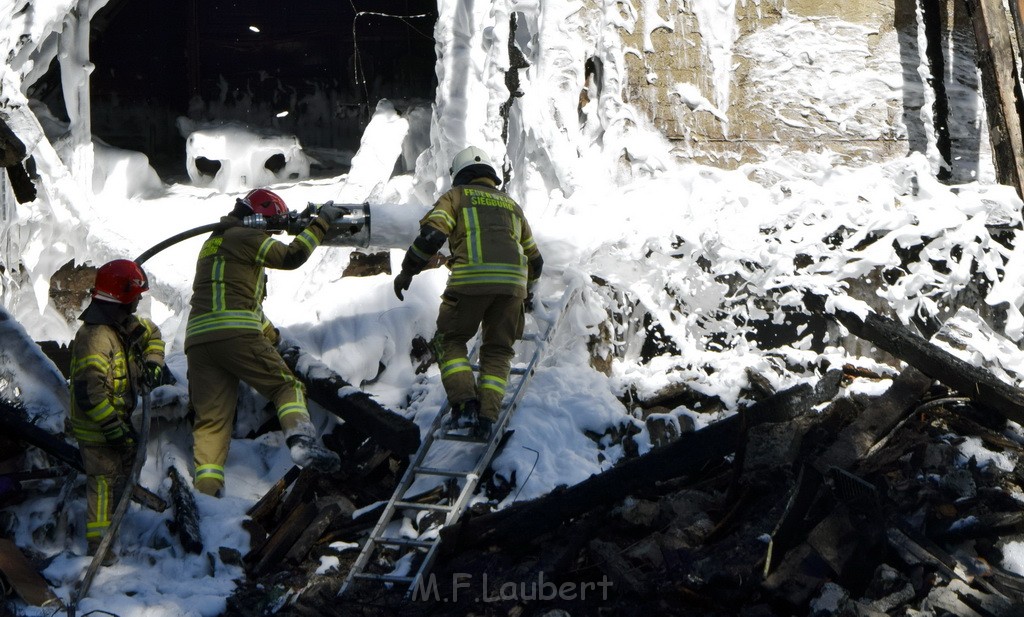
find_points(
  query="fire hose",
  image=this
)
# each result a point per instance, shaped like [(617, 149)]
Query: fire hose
[(352, 228)]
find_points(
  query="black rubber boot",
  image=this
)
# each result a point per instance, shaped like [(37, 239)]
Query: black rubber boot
[(306, 452), (465, 414), (482, 429)]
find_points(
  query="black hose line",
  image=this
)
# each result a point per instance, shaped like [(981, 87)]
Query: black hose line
[(346, 230), (185, 235)]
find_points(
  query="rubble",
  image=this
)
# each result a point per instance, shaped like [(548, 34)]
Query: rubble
[(864, 506), (806, 502)]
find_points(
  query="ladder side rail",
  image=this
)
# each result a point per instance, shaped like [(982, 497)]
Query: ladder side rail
[(388, 513), (407, 480), (485, 459), (540, 345), (472, 479), (425, 566)]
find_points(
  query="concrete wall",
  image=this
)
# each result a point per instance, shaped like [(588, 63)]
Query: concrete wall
[(837, 77)]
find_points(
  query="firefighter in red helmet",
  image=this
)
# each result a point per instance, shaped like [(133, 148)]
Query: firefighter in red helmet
[(228, 339), (113, 355)]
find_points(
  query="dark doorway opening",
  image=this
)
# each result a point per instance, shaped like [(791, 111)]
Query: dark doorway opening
[(308, 68)]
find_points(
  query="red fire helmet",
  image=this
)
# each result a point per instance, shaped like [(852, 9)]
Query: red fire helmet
[(265, 202), (121, 280)]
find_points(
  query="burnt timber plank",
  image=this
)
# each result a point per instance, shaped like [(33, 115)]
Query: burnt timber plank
[(884, 413), (341, 509), (980, 385), (356, 408), (13, 424), (685, 456), (1017, 14), (282, 540), (263, 510), (28, 584), (186, 515), (1000, 88)]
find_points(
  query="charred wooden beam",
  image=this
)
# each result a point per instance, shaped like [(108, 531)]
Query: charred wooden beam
[(341, 509), (792, 526), (985, 525), (356, 408), (931, 15), (1000, 88), (282, 540), (13, 424), (961, 599), (20, 132), (917, 549), (26, 581), (1017, 14), (984, 389), (688, 455), (22, 186), (876, 421), (263, 510), (37, 474), (186, 516), (301, 489), (283, 509)]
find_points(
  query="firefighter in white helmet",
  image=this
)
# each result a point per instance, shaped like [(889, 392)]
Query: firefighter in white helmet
[(495, 264)]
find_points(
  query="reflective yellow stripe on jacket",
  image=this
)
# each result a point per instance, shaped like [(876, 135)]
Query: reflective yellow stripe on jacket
[(224, 320), (101, 375), (475, 270), (482, 274)]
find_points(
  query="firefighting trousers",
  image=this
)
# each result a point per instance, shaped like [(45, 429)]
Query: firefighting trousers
[(214, 371), (105, 477), (500, 319)]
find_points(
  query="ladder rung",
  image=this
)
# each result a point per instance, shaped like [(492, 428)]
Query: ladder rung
[(422, 506), (517, 370), (404, 542), (457, 437), (531, 336), (391, 578), (449, 473)]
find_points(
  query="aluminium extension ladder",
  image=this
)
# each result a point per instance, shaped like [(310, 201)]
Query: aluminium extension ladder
[(427, 549)]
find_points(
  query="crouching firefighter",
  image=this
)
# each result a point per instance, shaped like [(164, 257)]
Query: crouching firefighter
[(228, 339), (113, 356), (495, 264)]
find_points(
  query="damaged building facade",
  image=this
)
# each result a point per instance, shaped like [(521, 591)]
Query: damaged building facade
[(797, 500)]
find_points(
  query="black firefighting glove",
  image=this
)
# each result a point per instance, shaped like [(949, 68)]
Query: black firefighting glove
[(121, 436), (153, 374), (127, 452), (330, 212), (528, 303), (402, 282)]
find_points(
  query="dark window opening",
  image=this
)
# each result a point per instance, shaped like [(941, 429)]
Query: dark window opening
[(275, 162), (207, 167)]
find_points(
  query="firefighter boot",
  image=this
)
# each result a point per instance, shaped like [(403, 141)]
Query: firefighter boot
[(306, 452), (465, 414), (481, 431)]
